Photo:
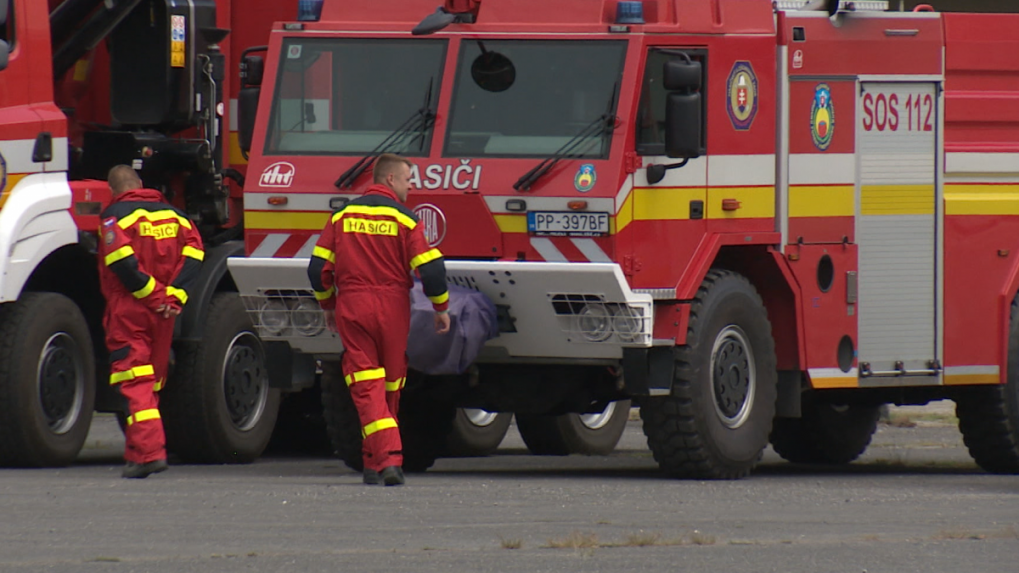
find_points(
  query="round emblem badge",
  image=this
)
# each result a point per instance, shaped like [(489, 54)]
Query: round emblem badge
[(586, 178), (822, 117), (742, 96), (434, 221)]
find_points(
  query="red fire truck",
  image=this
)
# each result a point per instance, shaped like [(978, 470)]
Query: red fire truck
[(758, 220), (85, 85)]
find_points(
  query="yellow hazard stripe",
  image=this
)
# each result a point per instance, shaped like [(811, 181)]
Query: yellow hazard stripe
[(442, 298), (147, 289), (324, 295), (380, 211), (158, 385), (754, 202), (142, 416), (194, 253), (180, 293), (897, 200), (324, 253), (395, 385), (981, 199), (152, 216), (136, 372), (377, 426), (361, 376), (119, 254), (822, 200), (285, 220), (511, 223), (425, 257)]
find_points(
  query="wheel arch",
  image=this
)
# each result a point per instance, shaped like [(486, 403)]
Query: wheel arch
[(214, 278)]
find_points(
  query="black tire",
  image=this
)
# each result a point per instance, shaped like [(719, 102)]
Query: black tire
[(342, 423), (424, 422), (826, 433), (715, 426), (989, 416), (218, 407), (588, 434), (477, 432), (47, 381)]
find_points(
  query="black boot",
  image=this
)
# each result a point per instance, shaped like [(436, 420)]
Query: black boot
[(393, 475), (142, 471), (371, 477)]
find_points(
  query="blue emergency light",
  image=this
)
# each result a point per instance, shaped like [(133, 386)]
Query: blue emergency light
[(628, 12), (309, 10)]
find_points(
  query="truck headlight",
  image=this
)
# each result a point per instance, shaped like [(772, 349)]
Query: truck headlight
[(307, 317), (628, 322), (274, 317), (594, 322)]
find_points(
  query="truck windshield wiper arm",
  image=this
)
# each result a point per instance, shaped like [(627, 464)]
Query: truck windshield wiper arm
[(421, 120), (605, 123)]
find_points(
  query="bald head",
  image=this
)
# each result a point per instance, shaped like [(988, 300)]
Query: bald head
[(123, 179)]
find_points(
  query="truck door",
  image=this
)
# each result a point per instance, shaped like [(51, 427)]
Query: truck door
[(669, 213), (19, 124), (898, 204)]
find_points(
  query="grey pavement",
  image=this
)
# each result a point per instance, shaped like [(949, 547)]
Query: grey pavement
[(914, 502)]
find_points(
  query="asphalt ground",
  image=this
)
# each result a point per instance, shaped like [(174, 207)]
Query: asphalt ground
[(914, 502)]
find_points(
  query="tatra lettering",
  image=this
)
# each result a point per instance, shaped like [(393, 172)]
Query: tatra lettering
[(370, 227), (157, 232)]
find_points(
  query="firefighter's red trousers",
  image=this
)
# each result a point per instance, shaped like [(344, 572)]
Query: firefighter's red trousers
[(373, 326), (139, 343)]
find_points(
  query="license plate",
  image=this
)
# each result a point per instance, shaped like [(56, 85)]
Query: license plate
[(567, 224)]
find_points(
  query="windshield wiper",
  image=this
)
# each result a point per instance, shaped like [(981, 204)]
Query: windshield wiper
[(421, 120), (605, 123)]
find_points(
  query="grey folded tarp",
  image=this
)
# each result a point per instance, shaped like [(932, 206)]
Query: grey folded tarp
[(473, 322)]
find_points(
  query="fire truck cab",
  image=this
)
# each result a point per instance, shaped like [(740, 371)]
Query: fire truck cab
[(759, 220)]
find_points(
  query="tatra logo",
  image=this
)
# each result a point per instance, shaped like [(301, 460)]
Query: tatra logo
[(164, 231), (279, 174), (370, 227), (464, 176), (742, 104), (434, 222), (822, 117)]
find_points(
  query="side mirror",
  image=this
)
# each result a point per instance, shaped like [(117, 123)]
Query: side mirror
[(247, 106), (252, 70), (683, 125), (682, 75), (5, 51)]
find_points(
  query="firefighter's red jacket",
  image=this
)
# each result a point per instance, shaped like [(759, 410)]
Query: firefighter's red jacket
[(374, 243), (150, 252)]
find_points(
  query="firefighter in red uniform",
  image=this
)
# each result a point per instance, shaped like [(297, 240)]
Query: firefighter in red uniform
[(149, 254), (361, 266)]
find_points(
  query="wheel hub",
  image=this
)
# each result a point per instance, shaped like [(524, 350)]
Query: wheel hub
[(733, 376), (61, 381), (599, 420), (245, 383), (480, 418)]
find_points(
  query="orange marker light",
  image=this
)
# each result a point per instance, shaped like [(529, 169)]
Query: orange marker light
[(278, 200), (577, 205)]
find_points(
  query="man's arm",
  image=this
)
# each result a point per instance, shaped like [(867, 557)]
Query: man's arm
[(430, 266), (321, 268), (193, 254), (119, 256)]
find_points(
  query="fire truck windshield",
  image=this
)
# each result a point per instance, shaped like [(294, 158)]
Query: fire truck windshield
[(338, 96), (538, 97)]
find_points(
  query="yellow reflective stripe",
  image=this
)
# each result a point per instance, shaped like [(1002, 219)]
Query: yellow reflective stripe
[(121, 253), (441, 299), (158, 385), (377, 426), (152, 216), (324, 253), (361, 376), (147, 289), (143, 415), (394, 385), (180, 293), (324, 295), (380, 211), (192, 252), (425, 257), (136, 372)]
